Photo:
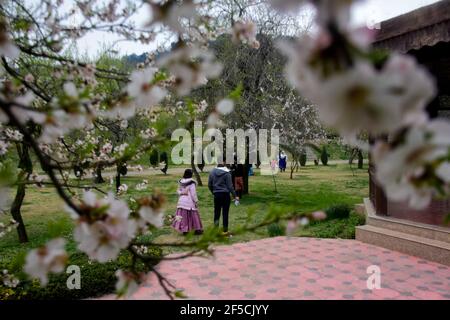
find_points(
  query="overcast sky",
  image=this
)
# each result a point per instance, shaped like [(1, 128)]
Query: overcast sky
[(365, 12)]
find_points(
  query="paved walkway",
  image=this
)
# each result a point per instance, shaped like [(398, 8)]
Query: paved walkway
[(301, 268)]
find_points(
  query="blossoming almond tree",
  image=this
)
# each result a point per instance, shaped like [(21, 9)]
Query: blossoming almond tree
[(56, 102)]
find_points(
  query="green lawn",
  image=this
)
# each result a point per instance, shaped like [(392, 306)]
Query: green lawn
[(313, 188)]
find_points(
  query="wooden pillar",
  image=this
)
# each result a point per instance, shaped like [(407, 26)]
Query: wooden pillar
[(377, 195)]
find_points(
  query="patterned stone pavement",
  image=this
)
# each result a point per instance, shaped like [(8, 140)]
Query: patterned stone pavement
[(301, 268)]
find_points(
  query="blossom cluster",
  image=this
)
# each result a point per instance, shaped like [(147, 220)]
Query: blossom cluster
[(354, 93), (104, 228), (8, 280), (8, 227)]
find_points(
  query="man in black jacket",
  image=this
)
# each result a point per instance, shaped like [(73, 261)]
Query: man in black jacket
[(220, 184)]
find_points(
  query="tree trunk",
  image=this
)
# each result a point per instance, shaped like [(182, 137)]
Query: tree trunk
[(17, 215), (195, 172), (118, 178), (294, 167), (360, 160), (98, 175), (246, 165), (353, 153), (258, 161), (26, 165)]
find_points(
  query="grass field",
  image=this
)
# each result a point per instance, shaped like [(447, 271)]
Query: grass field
[(313, 188)]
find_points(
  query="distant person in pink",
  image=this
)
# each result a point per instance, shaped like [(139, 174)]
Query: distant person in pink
[(187, 217)]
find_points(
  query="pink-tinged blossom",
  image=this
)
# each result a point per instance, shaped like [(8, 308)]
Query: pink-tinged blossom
[(151, 211), (291, 227), (319, 215), (170, 16)]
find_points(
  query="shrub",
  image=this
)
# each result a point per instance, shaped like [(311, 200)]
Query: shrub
[(154, 158), (340, 211), (275, 230), (340, 228), (164, 158), (123, 170), (96, 279), (303, 158), (324, 156)]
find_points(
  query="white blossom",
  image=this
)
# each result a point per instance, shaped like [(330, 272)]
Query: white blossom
[(148, 133), (202, 106), (120, 150), (3, 147), (127, 283), (154, 217), (13, 135), (60, 122), (403, 170), (50, 258), (409, 88), (123, 188), (191, 67), (102, 238), (303, 221), (225, 106), (141, 186), (141, 89), (70, 89)]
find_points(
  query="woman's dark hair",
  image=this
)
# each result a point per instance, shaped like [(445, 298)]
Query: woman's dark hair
[(187, 174)]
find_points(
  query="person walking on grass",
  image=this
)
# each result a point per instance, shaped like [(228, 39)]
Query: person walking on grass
[(238, 172), (282, 161), (187, 217), (220, 184)]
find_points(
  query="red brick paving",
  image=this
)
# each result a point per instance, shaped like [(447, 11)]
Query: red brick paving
[(301, 268)]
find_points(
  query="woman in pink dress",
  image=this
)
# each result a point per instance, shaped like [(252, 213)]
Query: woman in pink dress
[(187, 217)]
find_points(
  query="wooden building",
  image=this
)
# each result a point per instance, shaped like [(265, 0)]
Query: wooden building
[(424, 34)]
